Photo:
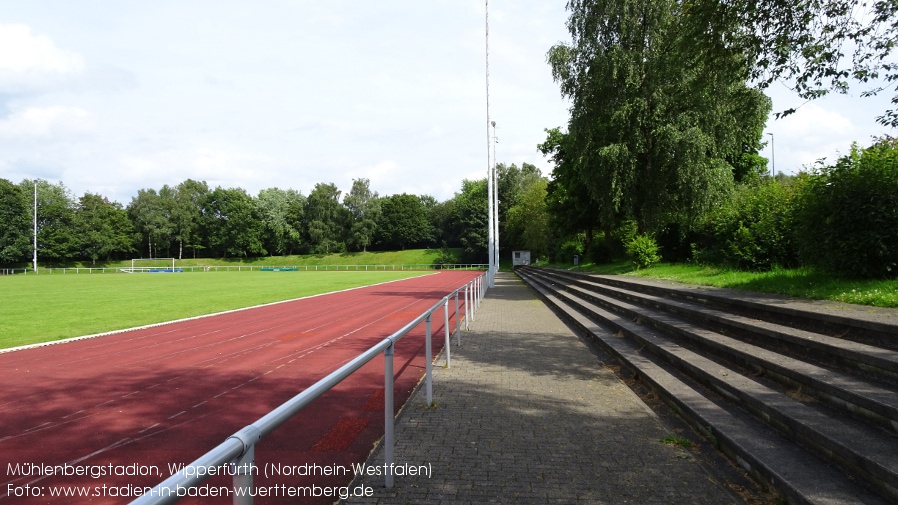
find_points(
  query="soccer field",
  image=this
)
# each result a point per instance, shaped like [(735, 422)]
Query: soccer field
[(36, 308)]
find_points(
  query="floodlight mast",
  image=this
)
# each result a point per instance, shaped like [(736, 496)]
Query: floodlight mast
[(495, 197), (35, 227), (489, 165)]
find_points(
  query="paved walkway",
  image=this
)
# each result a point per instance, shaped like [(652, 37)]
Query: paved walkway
[(528, 414)]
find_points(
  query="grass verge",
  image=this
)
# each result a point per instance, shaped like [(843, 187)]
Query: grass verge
[(407, 257), (36, 308), (797, 282)]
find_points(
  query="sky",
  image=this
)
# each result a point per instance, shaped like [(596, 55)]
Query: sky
[(111, 97)]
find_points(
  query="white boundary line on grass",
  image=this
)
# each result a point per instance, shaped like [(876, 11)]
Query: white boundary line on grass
[(192, 318)]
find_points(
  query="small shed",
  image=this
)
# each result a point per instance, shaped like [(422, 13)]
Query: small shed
[(520, 258)]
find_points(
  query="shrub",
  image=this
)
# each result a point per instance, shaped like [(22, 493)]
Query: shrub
[(676, 240), (847, 214), (753, 230), (571, 247), (601, 250), (643, 251)]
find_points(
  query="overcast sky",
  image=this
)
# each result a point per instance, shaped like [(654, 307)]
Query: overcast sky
[(112, 96)]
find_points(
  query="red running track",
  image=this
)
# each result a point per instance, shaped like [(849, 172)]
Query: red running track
[(146, 399)]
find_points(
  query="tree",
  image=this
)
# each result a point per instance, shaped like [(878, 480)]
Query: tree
[(528, 220), (651, 126), (403, 222), (56, 237), (470, 220), (803, 43), (150, 214), (103, 227), (187, 215), (325, 219), (512, 181), (847, 214), (233, 223), (569, 203), (364, 211), (283, 227), (439, 215), (15, 214)]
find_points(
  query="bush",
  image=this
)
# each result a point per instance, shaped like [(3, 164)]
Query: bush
[(847, 214), (753, 230), (677, 240), (601, 250), (643, 251), (623, 235), (570, 247)]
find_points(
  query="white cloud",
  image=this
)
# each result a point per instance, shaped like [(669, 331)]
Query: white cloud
[(33, 62), (819, 130), (45, 122)]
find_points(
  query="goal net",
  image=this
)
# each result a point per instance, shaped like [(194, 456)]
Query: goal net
[(155, 265)]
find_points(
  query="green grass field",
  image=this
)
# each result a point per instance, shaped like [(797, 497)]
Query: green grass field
[(406, 257), (43, 308), (797, 282)]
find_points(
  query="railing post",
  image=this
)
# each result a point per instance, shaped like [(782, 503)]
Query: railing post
[(467, 306), (428, 350), (243, 477), (477, 293), (446, 326), (388, 417), (457, 322), (244, 467)]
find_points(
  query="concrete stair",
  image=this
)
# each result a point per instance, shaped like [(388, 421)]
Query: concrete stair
[(802, 396)]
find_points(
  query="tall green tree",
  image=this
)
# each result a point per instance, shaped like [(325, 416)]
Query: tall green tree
[(439, 214), (814, 46), (187, 215), (470, 220), (651, 125), (569, 203), (151, 214), (528, 220), (15, 214), (233, 223), (403, 222), (102, 227), (56, 237), (283, 227), (364, 211), (325, 219), (512, 181)]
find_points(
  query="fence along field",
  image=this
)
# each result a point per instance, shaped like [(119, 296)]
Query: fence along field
[(45, 308)]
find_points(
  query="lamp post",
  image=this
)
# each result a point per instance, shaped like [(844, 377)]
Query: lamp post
[(495, 197), (35, 227), (772, 157), (489, 165)]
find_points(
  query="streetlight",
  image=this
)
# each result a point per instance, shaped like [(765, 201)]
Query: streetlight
[(490, 169), (772, 157), (495, 197)]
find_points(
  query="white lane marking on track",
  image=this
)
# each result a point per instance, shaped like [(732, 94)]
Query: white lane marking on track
[(150, 427), (98, 451)]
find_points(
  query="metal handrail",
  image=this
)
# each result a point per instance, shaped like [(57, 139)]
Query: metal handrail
[(238, 450)]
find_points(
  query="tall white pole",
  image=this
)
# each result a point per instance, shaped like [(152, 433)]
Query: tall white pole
[(489, 165), (35, 227), (495, 197)]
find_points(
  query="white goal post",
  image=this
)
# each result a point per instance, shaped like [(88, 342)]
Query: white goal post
[(152, 265)]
